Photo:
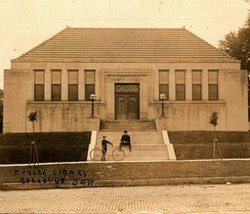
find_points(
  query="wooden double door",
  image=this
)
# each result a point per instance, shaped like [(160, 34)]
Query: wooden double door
[(127, 101)]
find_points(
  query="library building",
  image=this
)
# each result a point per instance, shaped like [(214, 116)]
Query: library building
[(82, 76)]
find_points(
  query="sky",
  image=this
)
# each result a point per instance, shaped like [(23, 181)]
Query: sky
[(25, 24)]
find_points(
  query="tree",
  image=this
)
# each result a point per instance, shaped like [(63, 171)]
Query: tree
[(213, 121), (237, 44), (32, 118), (33, 149)]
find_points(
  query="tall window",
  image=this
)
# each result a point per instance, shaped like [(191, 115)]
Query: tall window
[(73, 85), (180, 84), (213, 85), (39, 85), (163, 83), (89, 83), (196, 85), (56, 85)]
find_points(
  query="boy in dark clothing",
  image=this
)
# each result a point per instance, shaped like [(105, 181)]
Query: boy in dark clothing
[(125, 140), (104, 147)]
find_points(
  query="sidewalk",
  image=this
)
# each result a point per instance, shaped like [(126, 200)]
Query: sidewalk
[(140, 200)]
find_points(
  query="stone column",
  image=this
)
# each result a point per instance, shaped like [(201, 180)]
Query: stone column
[(98, 84), (47, 85), (155, 84), (205, 84), (81, 84), (188, 84), (171, 84), (64, 84)]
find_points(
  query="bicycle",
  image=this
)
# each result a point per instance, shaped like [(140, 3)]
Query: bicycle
[(96, 154)]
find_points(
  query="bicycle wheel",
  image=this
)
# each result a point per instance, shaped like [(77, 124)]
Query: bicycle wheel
[(96, 154), (118, 154)]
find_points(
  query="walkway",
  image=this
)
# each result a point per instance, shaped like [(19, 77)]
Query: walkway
[(137, 200)]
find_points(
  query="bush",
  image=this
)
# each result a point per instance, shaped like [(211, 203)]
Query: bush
[(51, 147)]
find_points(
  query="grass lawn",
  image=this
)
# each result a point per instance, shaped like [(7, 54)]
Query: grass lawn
[(51, 147), (199, 144), (69, 147)]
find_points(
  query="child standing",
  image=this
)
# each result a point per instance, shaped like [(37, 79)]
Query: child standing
[(105, 146)]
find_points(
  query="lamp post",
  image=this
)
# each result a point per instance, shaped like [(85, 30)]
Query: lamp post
[(162, 98), (92, 98)]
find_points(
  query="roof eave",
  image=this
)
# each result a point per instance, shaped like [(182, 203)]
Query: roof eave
[(128, 60)]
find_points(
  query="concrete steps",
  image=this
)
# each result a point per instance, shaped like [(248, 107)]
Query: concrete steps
[(137, 137), (136, 125), (146, 145), (141, 153)]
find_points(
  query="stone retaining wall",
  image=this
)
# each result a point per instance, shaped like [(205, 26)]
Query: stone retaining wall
[(123, 173)]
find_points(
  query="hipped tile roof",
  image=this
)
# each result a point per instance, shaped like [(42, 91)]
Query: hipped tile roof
[(124, 45)]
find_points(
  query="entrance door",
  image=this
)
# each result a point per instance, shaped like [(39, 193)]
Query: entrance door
[(127, 101)]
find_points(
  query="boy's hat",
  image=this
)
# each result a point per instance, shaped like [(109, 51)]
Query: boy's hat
[(104, 136), (125, 131)]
